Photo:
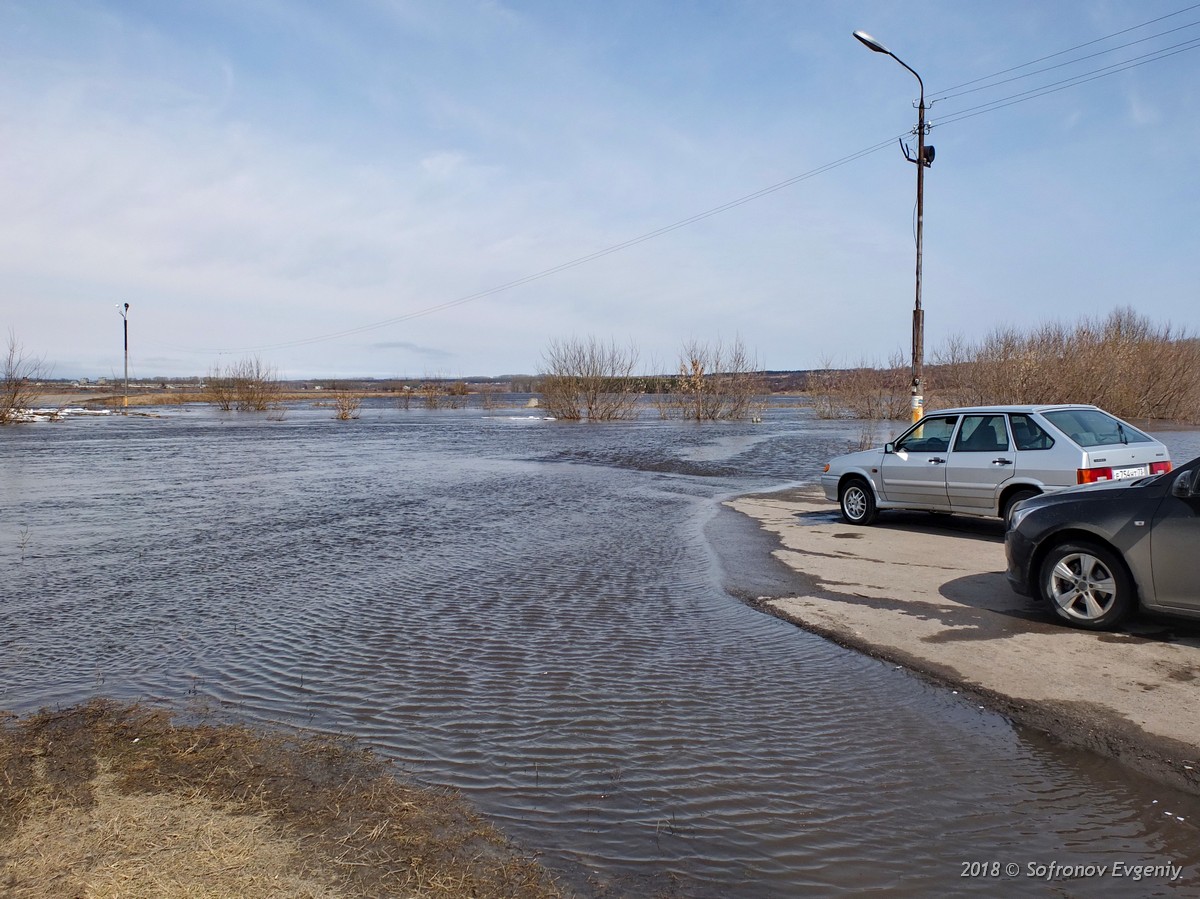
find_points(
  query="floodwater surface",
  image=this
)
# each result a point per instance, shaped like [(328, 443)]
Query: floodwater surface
[(535, 614)]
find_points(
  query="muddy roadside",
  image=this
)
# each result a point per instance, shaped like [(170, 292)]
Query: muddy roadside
[(929, 592)]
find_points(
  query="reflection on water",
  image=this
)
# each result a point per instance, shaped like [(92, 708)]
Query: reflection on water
[(531, 612)]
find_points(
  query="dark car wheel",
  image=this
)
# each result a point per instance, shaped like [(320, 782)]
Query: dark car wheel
[(1087, 585), (858, 502)]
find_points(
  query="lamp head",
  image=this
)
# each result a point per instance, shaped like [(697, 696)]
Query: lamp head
[(871, 43)]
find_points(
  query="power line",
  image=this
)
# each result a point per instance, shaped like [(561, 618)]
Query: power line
[(1098, 40), (1061, 65), (574, 263), (1074, 81)]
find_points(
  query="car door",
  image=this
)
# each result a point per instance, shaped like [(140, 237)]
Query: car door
[(1174, 537), (913, 474), (980, 460)]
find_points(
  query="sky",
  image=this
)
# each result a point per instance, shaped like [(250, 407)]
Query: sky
[(446, 188)]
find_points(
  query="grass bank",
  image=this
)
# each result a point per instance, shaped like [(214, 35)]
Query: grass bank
[(106, 800)]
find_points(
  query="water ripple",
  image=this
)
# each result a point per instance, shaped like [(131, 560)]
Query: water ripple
[(529, 612)]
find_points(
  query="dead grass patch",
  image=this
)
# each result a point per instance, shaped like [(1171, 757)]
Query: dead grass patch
[(110, 800)]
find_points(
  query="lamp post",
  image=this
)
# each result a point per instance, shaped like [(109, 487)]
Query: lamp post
[(923, 160), (124, 313)]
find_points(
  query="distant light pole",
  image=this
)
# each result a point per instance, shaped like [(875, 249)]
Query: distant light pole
[(923, 160), (125, 315)]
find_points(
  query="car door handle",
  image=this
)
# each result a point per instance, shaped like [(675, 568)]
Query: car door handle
[(936, 461), (1002, 461)]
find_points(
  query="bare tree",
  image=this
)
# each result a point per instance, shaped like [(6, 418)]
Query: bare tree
[(457, 394), (248, 385), (868, 392), (1123, 363), (218, 389), (431, 393), (346, 405), (257, 385), (714, 383), (585, 379), (19, 382)]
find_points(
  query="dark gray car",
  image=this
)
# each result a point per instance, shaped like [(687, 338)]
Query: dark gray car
[(1096, 553)]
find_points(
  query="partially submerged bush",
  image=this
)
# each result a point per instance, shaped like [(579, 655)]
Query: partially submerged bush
[(866, 392), (19, 388), (584, 379), (248, 385), (714, 383)]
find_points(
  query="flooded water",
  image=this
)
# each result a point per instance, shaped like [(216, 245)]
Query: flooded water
[(536, 614)]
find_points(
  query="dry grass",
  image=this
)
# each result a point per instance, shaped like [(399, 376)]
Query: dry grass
[(108, 800), (1124, 363)]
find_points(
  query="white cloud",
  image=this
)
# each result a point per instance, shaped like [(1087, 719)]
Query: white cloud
[(258, 176)]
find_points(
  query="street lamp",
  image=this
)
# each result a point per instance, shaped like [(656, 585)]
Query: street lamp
[(124, 313), (923, 160)]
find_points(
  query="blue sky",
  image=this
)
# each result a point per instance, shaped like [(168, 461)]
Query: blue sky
[(321, 183)]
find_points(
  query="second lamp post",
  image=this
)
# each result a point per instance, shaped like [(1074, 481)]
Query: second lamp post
[(923, 160)]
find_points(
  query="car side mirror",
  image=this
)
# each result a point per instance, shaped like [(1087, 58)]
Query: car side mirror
[(1185, 486), (889, 447)]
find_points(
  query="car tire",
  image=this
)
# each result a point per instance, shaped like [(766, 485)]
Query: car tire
[(1086, 585), (1012, 499), (858, 502)]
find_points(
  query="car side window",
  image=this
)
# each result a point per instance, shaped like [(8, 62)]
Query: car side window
[(932, 435), (1028, 434), (982, 434)]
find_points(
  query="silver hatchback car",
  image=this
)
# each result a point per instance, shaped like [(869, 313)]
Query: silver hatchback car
[(982, 460)]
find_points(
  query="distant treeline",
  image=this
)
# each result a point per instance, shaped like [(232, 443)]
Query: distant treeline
[(1124, 363)]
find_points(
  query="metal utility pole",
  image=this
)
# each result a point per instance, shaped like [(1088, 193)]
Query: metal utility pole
[(125, 315), (923, 160)]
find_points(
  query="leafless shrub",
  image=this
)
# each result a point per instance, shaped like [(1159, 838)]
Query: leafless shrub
[(346, 405), (218, 387), (489, 396), (584, 379), (457, 394), (1123, 363), (867, 392), (19, 387), (714, 383), (248, 385), (431, 394)]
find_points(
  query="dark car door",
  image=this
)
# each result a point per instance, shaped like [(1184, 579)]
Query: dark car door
[(1174, 539)]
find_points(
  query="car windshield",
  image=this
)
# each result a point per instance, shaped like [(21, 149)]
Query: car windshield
[(1091, 427)]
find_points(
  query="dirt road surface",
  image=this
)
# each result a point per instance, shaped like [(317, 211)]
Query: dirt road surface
[(929, 592)]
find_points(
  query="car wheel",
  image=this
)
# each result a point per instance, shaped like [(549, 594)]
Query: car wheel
[(1087, 585), (858, 502), (1012, 499)]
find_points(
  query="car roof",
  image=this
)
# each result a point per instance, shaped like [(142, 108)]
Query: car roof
[(1046, 407)]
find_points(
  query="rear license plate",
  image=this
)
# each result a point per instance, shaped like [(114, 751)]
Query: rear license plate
[(1137, 471)]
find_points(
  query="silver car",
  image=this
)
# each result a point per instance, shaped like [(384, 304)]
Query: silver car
[(982, 460)]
